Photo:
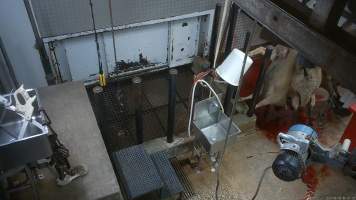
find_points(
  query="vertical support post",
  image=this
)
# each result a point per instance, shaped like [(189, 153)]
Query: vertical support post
[(214, 33), (7, 75), (32, 178), (98, 99), (259, 84), (39, 45), (228, 48), (171, 104), (137, 82), (232, 90)]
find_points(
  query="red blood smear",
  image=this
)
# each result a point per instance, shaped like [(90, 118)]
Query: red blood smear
[(325, 171), (310, 178), (250, 78), (319, 97), (273, 120)]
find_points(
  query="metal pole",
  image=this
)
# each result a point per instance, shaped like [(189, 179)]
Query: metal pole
[(13, 83), (221, 156), (259, 83), (112, 31), (171, 104), (137, 81), (214, 34), (102, 80), (55, 62), (98, 100), (247, 41), (39, 42), (230, 37)]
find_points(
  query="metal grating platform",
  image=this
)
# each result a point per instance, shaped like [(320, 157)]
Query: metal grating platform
[(113, 115), (137, 172), (187, 185), (172, 185)]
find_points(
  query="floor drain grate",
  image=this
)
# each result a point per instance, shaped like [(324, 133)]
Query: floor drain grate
[(187, 185)]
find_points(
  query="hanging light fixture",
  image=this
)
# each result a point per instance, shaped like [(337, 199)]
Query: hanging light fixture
[(230, 70)]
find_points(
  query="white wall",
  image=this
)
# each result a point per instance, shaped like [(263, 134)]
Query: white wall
[(164, 42), (19, 41)]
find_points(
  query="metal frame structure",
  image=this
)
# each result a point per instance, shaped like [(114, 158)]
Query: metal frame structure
[(339, 62), (7, 75), (133, 25), (39, 42), (113, 75)]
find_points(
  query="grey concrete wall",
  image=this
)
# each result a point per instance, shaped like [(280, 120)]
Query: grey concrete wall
[(59, 17), (19, 42), (6, 82)]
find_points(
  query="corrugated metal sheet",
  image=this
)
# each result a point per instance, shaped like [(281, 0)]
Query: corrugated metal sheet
[(60, 17)]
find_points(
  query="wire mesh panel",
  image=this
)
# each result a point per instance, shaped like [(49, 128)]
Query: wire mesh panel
[(243, 24), (115, 109)]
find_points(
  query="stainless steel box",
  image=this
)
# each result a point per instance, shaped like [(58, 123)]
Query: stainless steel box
[(212, 125), (34, 145)]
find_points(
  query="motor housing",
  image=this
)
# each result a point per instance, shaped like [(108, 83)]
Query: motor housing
[(294, 146)]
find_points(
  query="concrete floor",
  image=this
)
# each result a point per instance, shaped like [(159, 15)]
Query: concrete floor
[(245, 161), (73, 119)]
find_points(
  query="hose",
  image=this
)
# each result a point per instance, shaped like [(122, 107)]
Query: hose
[(201, 81), (260, 182)]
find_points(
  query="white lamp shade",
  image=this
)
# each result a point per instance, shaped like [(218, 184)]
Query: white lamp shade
[(230, 69)]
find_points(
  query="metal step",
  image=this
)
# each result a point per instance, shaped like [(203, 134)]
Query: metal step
[(187, 185), (137, 172), (172, 185)]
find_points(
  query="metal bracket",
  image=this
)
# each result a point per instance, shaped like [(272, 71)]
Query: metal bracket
[(24, 106)]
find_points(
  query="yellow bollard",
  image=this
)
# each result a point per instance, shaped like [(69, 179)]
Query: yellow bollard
[(102, 80)]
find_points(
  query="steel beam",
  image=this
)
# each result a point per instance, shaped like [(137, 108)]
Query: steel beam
[(339, 63)]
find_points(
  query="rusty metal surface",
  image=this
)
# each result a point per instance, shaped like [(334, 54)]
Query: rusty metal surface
[(314, 46)]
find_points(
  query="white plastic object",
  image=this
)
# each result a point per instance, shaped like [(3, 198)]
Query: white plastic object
[(76, 172), (25, 108), (346, 145), (230, 69)]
